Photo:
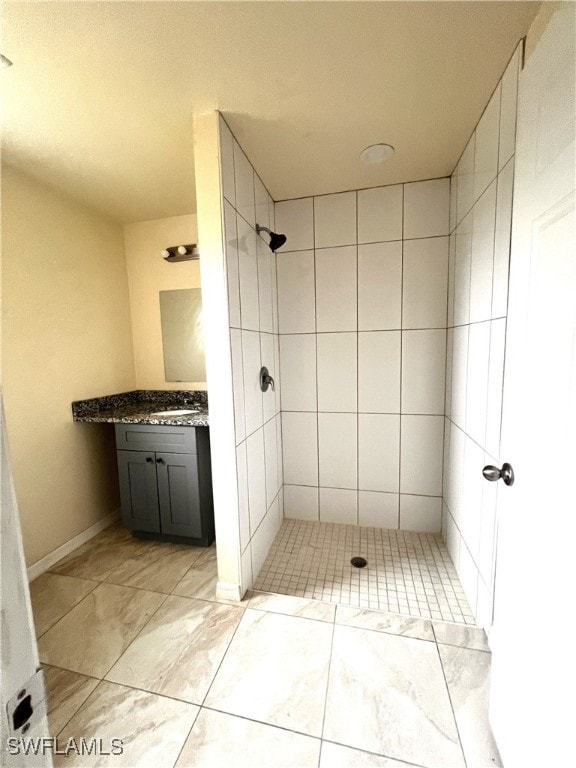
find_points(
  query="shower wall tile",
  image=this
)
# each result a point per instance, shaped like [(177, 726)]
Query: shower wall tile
[(335, 220), (264, 536), (451, 277), (262, 204), (265, 285), (463, 256), (248, 269), (502, 241), (336, 275), (378, 510), (268, 359), (243, 505), (337, 450), (425, 283), (252, 362), (301, 502), (378, 452), (482, 259), (244, 177), (477, 381), (459, 376), (227, 163), (379, 371), (495, 387), (256, 479), (337, 377), (421, 455), (296, 298), (298, 356), (380, 214), (380, 286), (423, 371), (420, 513), (271, 461), (426, 208), (508, 109), (338, 506), (486, 147), (476, 340), (295, 219), (300, 448), (465, 191), (253, 320), (347, 375), (232, 268)]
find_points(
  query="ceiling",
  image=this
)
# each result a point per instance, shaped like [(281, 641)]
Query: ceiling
[(100, 100)]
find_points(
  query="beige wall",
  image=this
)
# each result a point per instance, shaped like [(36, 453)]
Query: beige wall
[(66, 336), (148, 274)]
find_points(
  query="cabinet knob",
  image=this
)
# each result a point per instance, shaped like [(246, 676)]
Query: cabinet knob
[(159, 461), (149, 459)]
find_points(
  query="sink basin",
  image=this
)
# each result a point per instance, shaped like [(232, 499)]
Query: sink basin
[(174, 413)]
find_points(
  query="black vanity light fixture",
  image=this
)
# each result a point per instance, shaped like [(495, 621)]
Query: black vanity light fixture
[(276, 240), (181, 252)]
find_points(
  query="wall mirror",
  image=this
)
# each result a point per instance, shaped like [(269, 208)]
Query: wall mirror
[(182, 336)]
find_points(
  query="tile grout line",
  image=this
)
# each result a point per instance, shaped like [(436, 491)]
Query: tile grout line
[(327, 684), (451, 704)]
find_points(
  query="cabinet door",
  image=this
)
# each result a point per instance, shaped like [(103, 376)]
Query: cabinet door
[(138, 490), (178, 494)]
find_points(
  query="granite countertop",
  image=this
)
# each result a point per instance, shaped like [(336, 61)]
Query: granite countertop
[(137, 407)]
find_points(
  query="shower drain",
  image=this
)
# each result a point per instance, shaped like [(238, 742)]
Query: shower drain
[(359, 562)]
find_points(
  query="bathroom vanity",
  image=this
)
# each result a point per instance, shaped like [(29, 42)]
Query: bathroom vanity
[(163, 458), (165, 482)]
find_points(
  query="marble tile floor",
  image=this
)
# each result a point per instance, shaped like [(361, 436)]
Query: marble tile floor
[(135, 646), (407, 573)]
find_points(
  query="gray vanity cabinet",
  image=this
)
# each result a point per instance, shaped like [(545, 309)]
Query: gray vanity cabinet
[(165, 481)]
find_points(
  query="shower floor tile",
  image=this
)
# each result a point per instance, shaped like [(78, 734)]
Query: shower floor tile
[(407, 573)]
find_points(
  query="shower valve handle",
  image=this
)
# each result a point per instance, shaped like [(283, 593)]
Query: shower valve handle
[(266, 380)]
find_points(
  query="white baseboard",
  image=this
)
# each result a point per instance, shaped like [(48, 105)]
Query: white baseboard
[(41, 566), (227, 591)]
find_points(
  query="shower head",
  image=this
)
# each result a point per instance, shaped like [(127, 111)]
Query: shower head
[(276, 240)]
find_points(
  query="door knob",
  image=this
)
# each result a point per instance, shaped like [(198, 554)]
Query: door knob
[(493, 474)]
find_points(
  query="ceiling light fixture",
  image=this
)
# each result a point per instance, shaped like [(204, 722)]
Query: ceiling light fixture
[(376, 153), (4, 62)]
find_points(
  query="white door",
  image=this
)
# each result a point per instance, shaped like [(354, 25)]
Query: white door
[(22, 697), (533, 642)]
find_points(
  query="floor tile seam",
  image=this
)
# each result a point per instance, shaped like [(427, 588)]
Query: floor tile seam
[(148, 565), (261, 722), (224, 655), (175, 763), (150, 692), (73, 715), (65, 576), (59, 619), (375, 754), (137, 635), (292, 615), (387, 632), (328, 680), (452, 709), (464, 647)]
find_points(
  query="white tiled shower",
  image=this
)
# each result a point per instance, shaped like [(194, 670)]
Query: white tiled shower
[(480, 224), (382, 321), (362, 322), (253, 318)]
